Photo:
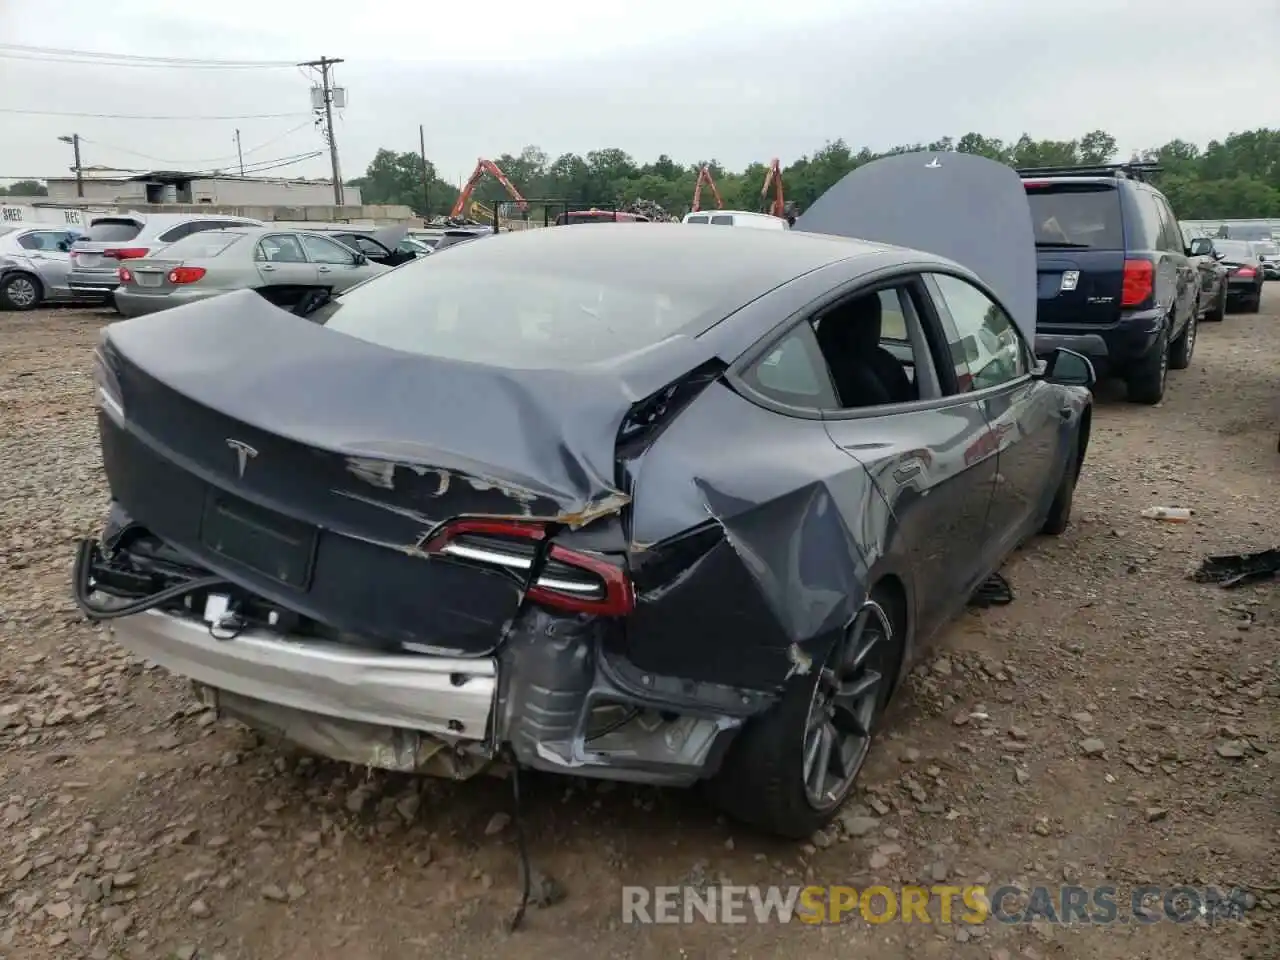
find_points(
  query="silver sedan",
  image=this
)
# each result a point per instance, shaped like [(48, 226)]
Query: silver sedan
[(34, 264), (282, 265)]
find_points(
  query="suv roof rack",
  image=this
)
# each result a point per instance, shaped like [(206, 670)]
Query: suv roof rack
[(1130, 170)]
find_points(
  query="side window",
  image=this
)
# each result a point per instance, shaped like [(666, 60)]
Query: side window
[(280, 248), (321, 250), (985, 346), (30, 241), (1174, 241), (1150, 223), (794, 372), (871, 344), (177, 233), (722, 220)]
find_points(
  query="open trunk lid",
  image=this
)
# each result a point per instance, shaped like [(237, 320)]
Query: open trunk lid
[(314, 467), (955, 205)]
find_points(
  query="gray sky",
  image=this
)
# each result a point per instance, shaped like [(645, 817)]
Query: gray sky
[(698, 80)]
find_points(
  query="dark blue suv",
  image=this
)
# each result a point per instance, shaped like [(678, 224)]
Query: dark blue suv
[(1116, 282)]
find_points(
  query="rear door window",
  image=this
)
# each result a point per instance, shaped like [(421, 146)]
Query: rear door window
[(697, 220), (722, 220), (1073, 214), (112, 230)]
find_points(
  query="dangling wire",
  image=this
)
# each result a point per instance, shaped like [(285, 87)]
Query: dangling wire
[(522, 845)]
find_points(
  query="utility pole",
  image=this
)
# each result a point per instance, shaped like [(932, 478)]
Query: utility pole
[(325, 65), (426, 175), (239, 152), (74, 140)]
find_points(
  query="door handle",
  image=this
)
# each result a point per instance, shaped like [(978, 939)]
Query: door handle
[(903, 474), (267, 267), (324, 270)]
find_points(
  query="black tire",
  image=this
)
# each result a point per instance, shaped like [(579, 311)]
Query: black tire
[(1254, 303), (1059, 517), (1147, 378), (762, 781), (21, 291), (1184, 347), (1218, 312)]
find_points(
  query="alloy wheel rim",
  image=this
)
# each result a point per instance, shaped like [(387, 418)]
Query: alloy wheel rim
[(837, 735), (21, 292)]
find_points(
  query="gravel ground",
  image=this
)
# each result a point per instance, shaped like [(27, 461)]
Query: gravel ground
[(1117, 724)]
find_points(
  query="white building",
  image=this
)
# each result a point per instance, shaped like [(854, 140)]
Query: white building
[(166, 186)]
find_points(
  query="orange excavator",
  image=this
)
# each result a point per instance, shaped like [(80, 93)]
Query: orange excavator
[(484, 166), (704, 177), (773, 178)]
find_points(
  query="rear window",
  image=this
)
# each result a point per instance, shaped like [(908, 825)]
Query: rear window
[(112, 230), (1076, 215), (723, 220), (524, 316), (200, 246), (1239, 249), (697, 220)]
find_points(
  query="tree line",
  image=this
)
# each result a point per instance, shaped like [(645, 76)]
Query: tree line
[(1236, 177)]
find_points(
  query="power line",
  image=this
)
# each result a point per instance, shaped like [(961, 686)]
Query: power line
[(13, 51), (202, 160), (250, 168), (139, 116)]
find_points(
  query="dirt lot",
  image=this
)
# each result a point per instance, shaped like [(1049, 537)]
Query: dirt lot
[(1117, 724)]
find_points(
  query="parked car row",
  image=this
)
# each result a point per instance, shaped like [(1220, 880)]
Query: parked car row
[(117, 259)]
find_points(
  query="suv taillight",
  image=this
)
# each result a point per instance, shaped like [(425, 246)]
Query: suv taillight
[(569, 580), (1139, 282)]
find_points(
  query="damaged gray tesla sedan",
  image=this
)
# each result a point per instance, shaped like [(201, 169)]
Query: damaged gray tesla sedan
[(659, 505)]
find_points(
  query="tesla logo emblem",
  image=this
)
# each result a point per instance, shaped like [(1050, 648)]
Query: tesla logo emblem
[(244, 453), (932, 164), (1070, 280)]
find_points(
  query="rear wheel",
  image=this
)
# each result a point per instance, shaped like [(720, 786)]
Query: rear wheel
[(21, 291), (792, 768), (1184, 347), (1254, 303), (1147, 377), (1218, 311)]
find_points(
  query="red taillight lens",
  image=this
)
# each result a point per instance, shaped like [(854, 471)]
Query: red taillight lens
[(125, 253), (185, 274), (569, 580), (1246, 272), (123, 274), (1139, 281)]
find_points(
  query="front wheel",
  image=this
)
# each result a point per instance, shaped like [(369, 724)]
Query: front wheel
[(1184, 347), (20, 291), (792, 768), (1218, 312)]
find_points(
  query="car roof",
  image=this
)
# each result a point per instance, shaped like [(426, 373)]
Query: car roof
[(750, 262)]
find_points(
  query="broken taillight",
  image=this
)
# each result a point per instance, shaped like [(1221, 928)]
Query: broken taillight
[(570, 580)]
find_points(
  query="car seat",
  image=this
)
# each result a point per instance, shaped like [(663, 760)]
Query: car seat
[(865, 373)]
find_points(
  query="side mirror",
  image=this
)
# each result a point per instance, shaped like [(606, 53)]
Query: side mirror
[(1200, 247), (1070, 369), (360, 259), (1219, 255)]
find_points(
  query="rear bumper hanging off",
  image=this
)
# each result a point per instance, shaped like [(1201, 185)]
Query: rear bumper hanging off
[(554, 695)]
